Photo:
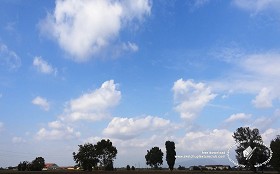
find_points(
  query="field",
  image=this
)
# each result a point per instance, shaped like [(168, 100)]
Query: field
[(134, 172)]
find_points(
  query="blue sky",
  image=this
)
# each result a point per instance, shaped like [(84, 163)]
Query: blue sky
[(136, 72)]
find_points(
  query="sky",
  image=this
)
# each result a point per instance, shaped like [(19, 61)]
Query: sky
[(137, 72)]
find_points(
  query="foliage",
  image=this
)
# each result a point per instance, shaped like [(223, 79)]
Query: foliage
[(128, 167), (275, 147), (37, 165), (250, 136), (170, 154), (90, 155), (86, 157), (106, 153), (132, 168), (154, 157)]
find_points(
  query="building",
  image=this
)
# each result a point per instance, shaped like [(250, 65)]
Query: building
[(51, 166)]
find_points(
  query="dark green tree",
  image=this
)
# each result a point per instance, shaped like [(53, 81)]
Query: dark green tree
[(106, 153), (128, 167), (275, 147), (23, 166), (170, 154), (132, 168), (86, 157), (154, 157), (38, 164), (250, 138)]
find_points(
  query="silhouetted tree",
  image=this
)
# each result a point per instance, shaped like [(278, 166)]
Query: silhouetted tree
[(128, 167), (38, 164), (86, 157), (106, 153), (275, 147), (132, 168), (170, 154), (154, 157), (251, 139)]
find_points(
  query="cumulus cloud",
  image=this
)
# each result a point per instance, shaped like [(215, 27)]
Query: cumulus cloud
[(269, 135), (257, 6), (127, 128), (9, 58), (85, 28), (42, 102), (55, 132), (217, 139), (43, 66), (263, 99), (93, 105), (238, 117), (191, 98)]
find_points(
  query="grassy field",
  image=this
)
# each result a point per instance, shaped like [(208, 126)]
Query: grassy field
[(133, 172)]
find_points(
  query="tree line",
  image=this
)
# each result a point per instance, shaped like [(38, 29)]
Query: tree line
[(102, 154)]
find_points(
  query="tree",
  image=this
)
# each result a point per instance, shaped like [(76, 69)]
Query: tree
[(128, 167), (275, 147), (132, 168), (38, 164), (86, 157), (106, 153), (170, 154), (23, 166), (154, 157), (250, 138)]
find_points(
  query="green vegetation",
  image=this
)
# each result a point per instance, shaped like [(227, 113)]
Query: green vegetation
[(154, 157)]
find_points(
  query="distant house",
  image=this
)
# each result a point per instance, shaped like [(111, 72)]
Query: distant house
[(217, 167), (51, 166)]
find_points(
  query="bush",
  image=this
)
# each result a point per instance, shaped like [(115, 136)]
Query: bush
[(132, 168), (127, 167)]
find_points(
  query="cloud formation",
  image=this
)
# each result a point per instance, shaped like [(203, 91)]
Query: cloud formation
[(127, 128), (85, 28), (1, 126), (238, 117), (190, 98), (43, 66), (9, 58), (94, 105), (42, 102)]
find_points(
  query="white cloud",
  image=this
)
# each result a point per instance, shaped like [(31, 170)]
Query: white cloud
[(263, 99), (43, 66), (42, 102), (55, 124), (269, 135), (257, 6), (191, 98), (85, 28), (127, 128), (217, 139), (93, 105), (9, 58), (18, 140), (238, 117), (57, 133)]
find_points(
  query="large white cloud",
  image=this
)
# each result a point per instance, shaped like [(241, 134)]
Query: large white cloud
[(84, 28), (42, 102), (61, 133), (263, 99), (9, 58), (127, 128), (190, 98), (43, 66), (94, 105)]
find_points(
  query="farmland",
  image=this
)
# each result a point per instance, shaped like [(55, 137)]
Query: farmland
[(132, 172)]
